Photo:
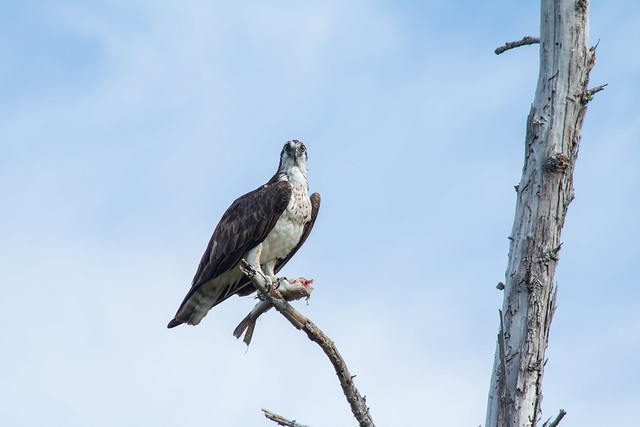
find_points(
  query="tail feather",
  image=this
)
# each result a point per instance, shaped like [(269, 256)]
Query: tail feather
[(197, 304), (173, 323)]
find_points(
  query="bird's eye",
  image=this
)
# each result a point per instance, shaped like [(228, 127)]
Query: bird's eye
[(303, 148)]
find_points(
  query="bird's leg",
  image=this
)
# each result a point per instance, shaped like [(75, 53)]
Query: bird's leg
[(268, 269), (253, 258), (269, 282)]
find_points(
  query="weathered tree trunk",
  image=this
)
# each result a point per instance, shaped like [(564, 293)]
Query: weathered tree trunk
[(544, 193)]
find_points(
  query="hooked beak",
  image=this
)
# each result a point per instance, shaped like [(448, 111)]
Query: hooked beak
[(295, 153)]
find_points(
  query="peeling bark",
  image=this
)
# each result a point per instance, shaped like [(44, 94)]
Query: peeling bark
[(554, 129)]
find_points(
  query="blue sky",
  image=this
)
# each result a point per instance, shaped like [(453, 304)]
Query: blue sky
[(127, 129)]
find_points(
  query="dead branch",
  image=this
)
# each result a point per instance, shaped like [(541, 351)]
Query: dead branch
[(555, 422), (511, 45), (282, 421), (593, 91), (356, 401), (291, 290)]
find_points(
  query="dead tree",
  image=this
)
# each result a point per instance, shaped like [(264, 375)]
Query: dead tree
[(554, 128)]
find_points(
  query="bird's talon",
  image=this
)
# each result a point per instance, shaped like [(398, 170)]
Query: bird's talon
[(269, 282)]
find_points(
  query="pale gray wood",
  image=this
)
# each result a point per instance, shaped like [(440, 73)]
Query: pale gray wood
[(554, 129), (280, 420)]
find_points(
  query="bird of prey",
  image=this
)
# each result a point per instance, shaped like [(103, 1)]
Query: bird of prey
[(269, 223)]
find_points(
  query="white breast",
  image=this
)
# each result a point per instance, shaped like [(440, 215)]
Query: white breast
[(289, 227)]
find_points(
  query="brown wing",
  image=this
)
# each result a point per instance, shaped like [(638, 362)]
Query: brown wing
[(248, 287), (244, 225)]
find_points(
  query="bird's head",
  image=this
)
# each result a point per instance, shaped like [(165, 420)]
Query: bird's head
[(294, 154)]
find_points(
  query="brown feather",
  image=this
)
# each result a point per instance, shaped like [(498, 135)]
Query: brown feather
[(256, 213), (243, 226)]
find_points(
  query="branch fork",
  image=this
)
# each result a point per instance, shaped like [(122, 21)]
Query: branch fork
[(357, 403), (289, 290)]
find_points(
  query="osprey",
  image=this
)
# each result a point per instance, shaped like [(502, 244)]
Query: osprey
[(270, 223)]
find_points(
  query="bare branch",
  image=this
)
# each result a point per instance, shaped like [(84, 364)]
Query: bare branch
[(290, 290), (589, 96), (282, 421), (511, 45), (555, 422), (356, 401)]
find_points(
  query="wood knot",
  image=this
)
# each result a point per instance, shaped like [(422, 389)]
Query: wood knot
[(582, 5), (558, 162)]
